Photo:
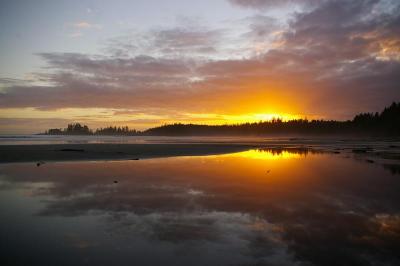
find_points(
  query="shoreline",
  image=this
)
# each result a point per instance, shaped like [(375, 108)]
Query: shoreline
[(37, 153), (78, 152)]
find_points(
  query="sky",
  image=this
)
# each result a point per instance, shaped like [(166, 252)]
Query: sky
[(147, 63)]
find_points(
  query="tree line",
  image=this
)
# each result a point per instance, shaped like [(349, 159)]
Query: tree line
[(78, 129), (385, 123)]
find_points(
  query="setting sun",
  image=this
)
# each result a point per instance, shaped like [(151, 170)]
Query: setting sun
[(212, 132)]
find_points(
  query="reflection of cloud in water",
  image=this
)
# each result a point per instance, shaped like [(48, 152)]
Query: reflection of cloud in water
[(241, 237), (323, 209)]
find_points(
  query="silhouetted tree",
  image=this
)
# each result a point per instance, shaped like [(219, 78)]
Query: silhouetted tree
[(386, 123)]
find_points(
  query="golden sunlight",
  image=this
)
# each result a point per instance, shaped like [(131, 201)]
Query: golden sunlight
[(266, 154)]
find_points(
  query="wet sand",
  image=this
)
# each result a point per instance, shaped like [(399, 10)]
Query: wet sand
[(386, 149), (75, 152), (299, 205)]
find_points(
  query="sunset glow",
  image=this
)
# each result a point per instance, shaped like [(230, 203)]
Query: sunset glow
[(200, 132), (266, 155), (246, 61)]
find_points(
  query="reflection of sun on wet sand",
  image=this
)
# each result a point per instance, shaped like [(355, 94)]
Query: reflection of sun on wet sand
[(267, 154), (273, 153), (76, 152), (230, 206), (258, 149)]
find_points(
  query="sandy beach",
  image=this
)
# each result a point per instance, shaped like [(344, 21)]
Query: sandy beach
[(75, 152), (125, 151)]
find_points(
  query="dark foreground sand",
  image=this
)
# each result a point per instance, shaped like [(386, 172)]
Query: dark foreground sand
[(386, 149), (72, 152)]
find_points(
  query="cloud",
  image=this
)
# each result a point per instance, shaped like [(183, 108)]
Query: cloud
[(338, 50), (11, 81), (262, 4), (81, 26), (85, 25), (179, 39), (176, 41)]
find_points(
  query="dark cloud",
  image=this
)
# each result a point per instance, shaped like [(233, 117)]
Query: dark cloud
[(260, 27), (336, 49)]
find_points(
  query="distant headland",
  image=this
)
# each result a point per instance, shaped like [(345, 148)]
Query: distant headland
[(386, 123)]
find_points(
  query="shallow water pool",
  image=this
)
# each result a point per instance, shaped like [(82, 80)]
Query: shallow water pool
[(258, 207)]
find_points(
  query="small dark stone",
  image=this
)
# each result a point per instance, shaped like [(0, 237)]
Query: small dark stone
[(115, 181), (369, 161), (336, 152), (75, 150), (359, 151), (134, 159)]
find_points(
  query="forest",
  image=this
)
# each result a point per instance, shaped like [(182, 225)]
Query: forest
[(386, 123)]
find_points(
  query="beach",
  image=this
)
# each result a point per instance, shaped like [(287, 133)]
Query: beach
[(240, 206), (169, 147), (75, 152)]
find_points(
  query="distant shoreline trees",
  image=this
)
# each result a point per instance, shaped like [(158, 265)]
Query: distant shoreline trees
[(72, 129), (385, 123), (78, 129)]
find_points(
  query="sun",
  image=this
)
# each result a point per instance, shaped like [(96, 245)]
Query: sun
[(269, 117)]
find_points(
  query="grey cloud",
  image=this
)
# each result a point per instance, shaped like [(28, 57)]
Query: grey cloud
[(261, 4), (334, 49), (10, 81), (260, 27), (339, 50), (182, 37), (176, 41), (138, 66)]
